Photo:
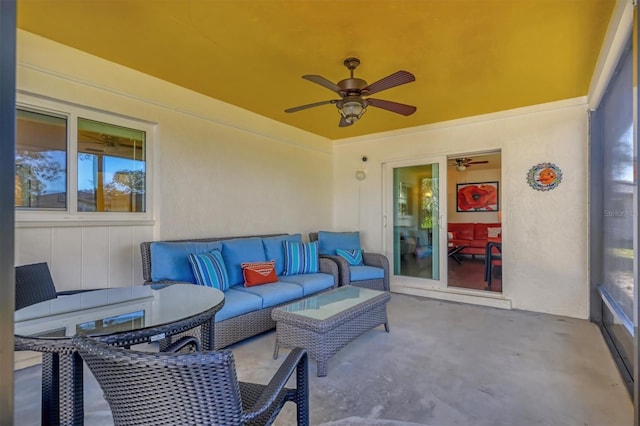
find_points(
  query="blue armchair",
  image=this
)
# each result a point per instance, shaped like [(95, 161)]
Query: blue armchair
[(372, 271)]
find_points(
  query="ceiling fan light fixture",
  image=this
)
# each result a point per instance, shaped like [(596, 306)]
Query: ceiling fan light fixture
[(352, 110), (352, 106), (461, 167)]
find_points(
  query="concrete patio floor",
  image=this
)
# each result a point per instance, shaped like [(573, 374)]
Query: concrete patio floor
[(442, 364)]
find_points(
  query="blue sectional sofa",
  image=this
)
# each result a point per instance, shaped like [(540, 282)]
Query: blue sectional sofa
[(247, 310)]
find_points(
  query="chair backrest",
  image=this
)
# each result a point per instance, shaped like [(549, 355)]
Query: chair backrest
[(33, 285), (165, 388)]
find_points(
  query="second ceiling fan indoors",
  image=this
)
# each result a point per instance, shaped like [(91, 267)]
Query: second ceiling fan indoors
[(462, 163), (352, 104)]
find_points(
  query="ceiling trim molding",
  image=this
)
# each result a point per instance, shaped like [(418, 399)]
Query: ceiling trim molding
[(466, 121), (618, 33), (280, 138)]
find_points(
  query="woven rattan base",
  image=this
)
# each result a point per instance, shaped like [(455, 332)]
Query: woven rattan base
[(324, 338)]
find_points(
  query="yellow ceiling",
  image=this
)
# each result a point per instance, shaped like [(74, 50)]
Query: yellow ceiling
[(469, 57)]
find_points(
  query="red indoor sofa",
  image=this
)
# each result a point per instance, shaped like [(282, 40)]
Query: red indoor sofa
[(473, 235)]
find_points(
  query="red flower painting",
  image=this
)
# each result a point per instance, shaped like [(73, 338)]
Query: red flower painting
[(478, 197)]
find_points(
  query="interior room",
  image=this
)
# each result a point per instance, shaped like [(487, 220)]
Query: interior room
[(391, 127), (473, 178)]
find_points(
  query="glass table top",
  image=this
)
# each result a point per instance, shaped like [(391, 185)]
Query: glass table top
[(113, 310), (330, 303)]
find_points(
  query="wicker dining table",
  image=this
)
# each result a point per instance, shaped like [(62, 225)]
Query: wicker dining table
[(117, 316)]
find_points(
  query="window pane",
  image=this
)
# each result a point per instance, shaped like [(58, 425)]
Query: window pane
[(41, 161), (111, 168), (416, 249)]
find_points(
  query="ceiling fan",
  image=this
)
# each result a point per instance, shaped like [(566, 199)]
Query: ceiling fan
[(107, 144), (352, 103), (462, 163)]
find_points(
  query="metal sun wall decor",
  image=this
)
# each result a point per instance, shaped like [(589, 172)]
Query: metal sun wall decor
[(544, 176)]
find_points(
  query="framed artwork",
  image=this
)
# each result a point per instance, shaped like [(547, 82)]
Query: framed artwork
[(477, 197)]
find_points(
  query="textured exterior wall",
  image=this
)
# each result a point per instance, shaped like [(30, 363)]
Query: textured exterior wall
[(217, 170), (544, 233)]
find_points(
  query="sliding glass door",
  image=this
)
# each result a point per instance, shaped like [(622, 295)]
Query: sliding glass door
[(415, 238)]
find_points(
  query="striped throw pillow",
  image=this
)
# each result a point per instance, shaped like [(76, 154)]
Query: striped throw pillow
[(301, 258), (256, 273), (353, 256), (209, 269)]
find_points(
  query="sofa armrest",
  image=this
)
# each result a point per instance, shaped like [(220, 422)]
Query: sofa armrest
[(344, 276), (380, 261), (329, 266)]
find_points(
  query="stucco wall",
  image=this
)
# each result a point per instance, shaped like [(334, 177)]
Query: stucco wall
[(218, 170), (544, 233)]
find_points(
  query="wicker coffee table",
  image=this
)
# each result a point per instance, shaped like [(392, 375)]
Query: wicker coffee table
[(325, 323)]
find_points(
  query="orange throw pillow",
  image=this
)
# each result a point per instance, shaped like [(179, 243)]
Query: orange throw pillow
[(256, 273)]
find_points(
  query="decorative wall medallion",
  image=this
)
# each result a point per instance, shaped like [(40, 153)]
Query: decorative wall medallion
[(544, 176)]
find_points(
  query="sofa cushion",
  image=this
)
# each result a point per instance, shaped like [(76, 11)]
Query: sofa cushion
[(240, 250), (310, 283), (493, 232), (169, 260), (464, 231), (364, 272), (209, 269), (258, 273), (275, 293), (330, 241), (301, 258), (352, 256), (456, 242), (274, 249), (238, 302), (481, 230)]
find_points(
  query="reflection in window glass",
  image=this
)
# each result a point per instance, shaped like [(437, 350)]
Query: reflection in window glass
[(617, 122), (41, 161), (124, 322), (111, 168), (416, 230)]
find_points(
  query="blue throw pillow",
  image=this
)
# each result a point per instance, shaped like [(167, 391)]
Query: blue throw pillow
[(353, 256), (301, 258), (329, 242), (274, 249), (169, 259), (209, 270)]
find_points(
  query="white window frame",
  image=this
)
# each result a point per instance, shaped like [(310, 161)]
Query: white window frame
[(71, 214)]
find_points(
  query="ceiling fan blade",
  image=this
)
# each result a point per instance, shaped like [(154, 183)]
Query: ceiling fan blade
[(343, 122), (396, 107), (393, 80), (477, 162), (315, 104), (323, 82)]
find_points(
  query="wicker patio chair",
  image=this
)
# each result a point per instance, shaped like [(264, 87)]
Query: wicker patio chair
[(187, 389), (377, 260), (34, 285)]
